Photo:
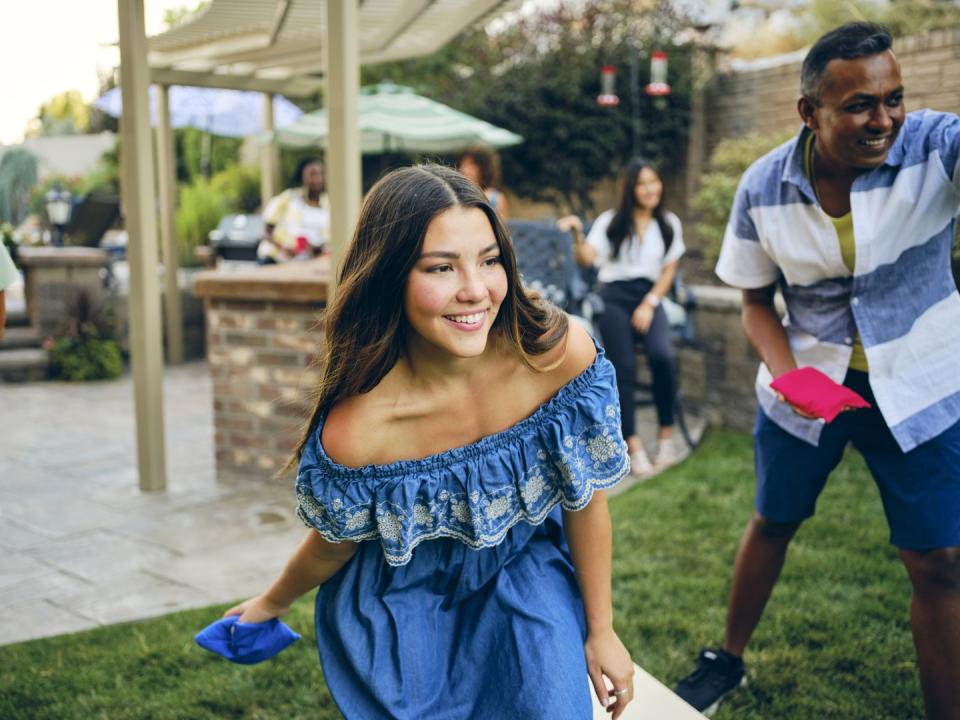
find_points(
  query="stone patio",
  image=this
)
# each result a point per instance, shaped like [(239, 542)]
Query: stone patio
[(82, 546)]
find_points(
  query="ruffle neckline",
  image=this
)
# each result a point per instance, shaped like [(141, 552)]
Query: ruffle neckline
[(567, 448)]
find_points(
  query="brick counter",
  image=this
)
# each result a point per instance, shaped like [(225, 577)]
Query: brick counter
[(264, 338)]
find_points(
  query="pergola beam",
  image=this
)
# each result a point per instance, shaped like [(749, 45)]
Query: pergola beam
[(291, 87)]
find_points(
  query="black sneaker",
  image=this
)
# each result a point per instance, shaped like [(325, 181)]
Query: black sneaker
[(717, 675)]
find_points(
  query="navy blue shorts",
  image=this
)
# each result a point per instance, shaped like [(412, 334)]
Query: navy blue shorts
[(920, 489)]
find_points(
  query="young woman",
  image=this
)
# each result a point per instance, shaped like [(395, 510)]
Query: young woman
[(636, 248), (453, 477), (482, 165)]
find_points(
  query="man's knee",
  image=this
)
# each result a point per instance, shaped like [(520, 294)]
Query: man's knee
[(934, 569), (770, 530)]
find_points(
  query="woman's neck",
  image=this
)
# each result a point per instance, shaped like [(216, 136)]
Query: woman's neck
[(642, 214), (431, 369)]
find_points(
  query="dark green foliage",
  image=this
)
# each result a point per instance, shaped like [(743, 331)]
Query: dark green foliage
[(728, 161), (200, 154), (85, 350), (86, 357), (540, 78), (240, 187), (835, 641)]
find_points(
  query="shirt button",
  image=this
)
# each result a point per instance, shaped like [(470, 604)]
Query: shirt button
[(848, 341), (855, 301)]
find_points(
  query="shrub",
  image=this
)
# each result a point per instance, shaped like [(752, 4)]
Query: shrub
[(239, 186), (201, 207), (86, 357), (86, 349), (713, 200)]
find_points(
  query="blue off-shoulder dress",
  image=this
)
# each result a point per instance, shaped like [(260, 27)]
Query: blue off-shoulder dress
[(461, 600)]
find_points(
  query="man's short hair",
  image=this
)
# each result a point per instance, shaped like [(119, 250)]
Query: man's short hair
[(847, 42)]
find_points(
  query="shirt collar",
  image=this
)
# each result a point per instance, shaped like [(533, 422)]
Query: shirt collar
[(793, 167), (895, 156)]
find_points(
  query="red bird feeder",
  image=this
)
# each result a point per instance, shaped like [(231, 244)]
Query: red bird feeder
[(658, 75), (608, 87)]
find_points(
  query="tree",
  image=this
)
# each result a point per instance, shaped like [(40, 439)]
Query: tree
[(540, 77), (172, 17), (18, 175), (64, 114)]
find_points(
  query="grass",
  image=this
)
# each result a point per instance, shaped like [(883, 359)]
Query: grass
[(835, 641)]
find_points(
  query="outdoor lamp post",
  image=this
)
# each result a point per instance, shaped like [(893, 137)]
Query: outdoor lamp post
[(59, 208)]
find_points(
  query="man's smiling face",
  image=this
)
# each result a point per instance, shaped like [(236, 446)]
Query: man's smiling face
[(860, 111)]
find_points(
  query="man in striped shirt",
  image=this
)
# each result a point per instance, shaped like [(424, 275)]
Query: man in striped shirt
[(853, 220)]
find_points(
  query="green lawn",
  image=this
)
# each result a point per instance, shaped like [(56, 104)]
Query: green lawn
[(835, 642)]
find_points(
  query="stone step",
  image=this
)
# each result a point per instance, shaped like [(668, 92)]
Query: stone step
[(23, 365), (17, 318), (20, 336)]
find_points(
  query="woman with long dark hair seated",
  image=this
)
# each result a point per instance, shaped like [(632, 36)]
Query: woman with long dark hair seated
[(636, 247)]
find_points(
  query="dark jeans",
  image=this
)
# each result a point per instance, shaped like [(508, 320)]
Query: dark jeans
[(620, 299)]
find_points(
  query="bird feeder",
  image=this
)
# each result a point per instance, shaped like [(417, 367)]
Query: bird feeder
[(658, 86), (608, 87)]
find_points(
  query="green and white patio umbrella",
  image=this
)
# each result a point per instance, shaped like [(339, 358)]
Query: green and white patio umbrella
[(393, 118)]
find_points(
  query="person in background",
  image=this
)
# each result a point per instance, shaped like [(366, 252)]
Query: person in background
[(8, 274), (853, 220), (482, 165), (297, 221), (452, 478), (636, 247)]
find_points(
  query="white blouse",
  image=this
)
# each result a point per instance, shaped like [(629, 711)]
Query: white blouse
[(638, 258)]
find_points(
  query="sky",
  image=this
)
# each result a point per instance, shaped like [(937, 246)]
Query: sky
[(50, 46)]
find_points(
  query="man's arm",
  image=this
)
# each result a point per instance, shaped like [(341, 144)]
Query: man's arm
[(763, 329)]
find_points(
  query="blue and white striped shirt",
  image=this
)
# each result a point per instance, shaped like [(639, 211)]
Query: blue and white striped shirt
[(901, 296)]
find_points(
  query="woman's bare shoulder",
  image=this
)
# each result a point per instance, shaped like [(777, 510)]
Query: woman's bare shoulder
[(568, 358), (357, 429)]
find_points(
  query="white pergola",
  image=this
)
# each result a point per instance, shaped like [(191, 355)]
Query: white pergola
[(293, 47)]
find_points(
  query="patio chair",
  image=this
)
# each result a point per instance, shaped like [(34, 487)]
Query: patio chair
[(545, 260), (92, 217), (679, 305)]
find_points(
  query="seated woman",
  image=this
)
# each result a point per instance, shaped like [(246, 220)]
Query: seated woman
[(297, 221), (453, 478), (636, 247), (482, 165)]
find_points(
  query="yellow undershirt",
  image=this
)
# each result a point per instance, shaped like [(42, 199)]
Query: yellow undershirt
[(848, 251)]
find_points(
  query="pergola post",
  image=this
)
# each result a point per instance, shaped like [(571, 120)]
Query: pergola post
[(146, 342), (166, 177), (343, 145), (269, 156)]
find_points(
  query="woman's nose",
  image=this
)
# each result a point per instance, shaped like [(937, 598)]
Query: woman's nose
[(472, 288)]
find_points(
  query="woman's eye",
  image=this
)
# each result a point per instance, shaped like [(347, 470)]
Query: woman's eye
[(492, 261), (439, 268)]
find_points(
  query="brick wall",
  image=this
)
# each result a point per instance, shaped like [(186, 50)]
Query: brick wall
[(264, 338), (260, 357), (762, 96)]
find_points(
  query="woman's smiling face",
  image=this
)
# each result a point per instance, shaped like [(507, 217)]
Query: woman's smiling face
[(455, 289)]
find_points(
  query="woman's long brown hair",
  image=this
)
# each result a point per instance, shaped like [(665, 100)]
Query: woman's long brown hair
[(365, 324)]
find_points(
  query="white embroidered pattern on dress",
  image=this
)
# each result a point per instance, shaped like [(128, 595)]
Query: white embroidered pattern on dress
[(594, 458)]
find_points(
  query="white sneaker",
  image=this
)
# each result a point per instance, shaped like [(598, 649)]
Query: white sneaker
[(666, 454), (640, 464)]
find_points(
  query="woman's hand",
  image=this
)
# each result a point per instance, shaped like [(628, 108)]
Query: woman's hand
[(571, 223), (608, 658), (642, 317), (257, 610)]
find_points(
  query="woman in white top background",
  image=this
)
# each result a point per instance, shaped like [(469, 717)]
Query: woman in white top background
[(635, 247)]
